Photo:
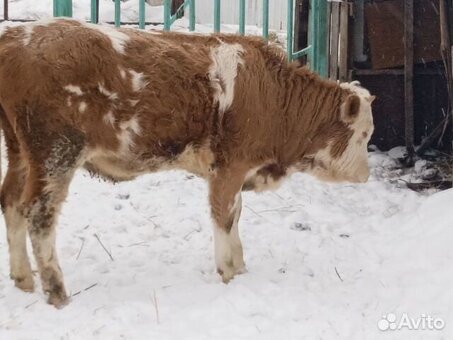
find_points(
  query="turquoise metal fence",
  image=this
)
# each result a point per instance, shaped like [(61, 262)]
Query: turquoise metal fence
[(62, 8), (169, 19), (316, 51)]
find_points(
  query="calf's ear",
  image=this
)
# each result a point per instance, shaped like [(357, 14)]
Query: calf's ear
[(350, 108)]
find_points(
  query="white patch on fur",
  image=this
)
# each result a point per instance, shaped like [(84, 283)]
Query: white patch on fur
[(129, 129), (131, 124), (138, 80), (235, 203), (265, 183), (118, 39), (74, 89), (30, 26), (108, 118), (223, 72), (69, 101), (28, 31), (122, 73), (111, 95), (156, 32), (133, 102), (354, 87), (82, 107), (3, 29)]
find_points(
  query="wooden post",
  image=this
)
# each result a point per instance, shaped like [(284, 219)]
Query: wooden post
[(408, 78), (5, 10), (334, 31), (446, 52), (344, 34)]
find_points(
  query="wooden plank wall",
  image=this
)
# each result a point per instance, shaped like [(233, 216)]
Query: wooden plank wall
[(339, 40)]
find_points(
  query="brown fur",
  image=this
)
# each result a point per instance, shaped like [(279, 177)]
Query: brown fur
[(69, 99)]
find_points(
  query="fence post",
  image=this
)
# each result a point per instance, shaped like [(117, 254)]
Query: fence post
[(266, 19), (117, 13), (322, 48), (241, 17), (167, 14), (217, 16), (192, 15), (289, 28), (5, 10), (141, 14), (312, 33), (94, 11), (62, 8)]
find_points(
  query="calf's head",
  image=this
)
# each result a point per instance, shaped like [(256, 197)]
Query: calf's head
[(343, 155)]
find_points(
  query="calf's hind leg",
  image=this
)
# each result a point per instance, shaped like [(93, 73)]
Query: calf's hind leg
[(16, 223), (52, 166)]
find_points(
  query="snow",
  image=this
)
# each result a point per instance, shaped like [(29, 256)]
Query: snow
[(325, 261), (390, 246)]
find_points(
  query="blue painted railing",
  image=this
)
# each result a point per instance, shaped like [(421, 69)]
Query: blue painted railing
[(316, 51)]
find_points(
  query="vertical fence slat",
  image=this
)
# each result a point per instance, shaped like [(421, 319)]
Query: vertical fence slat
[(62, 8), (217, 16), (167, 14), (343, 55), (5, 10), (334, 31), (241, 17), (322, 37), (289, 28), (266, 19), (408, 77), (141, 14), (94, 11), (117, 13), (192, 15), (313, 31)]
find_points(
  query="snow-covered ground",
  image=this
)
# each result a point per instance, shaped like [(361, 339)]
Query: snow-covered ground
[(324, 261)]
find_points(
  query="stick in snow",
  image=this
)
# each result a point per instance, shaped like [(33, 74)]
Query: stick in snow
[(99, 240)]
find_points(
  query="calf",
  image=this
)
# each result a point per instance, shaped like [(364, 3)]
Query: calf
[(123, 102)]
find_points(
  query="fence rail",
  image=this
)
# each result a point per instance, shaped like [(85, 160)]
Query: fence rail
[(317, 51)]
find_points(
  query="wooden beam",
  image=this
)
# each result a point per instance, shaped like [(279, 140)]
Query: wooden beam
[(5, 10), (408, 78), (334, 32), (446, 52), (344, 28)]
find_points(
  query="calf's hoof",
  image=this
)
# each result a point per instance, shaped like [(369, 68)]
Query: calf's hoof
[(26, 284), (58, 299), (230, 272)]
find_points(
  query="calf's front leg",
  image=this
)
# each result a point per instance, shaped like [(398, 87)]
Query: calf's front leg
[(226, 205)]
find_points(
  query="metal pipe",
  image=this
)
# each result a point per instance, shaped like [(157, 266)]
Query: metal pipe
[(289, 29), (62, 8), (141, 14), (266, 19), (167, 14), (217, 16), (94, 11), (117, 13), (241, 17), (192, 15)]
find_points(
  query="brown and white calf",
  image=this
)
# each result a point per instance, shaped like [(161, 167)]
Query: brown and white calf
[(123, 102)]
